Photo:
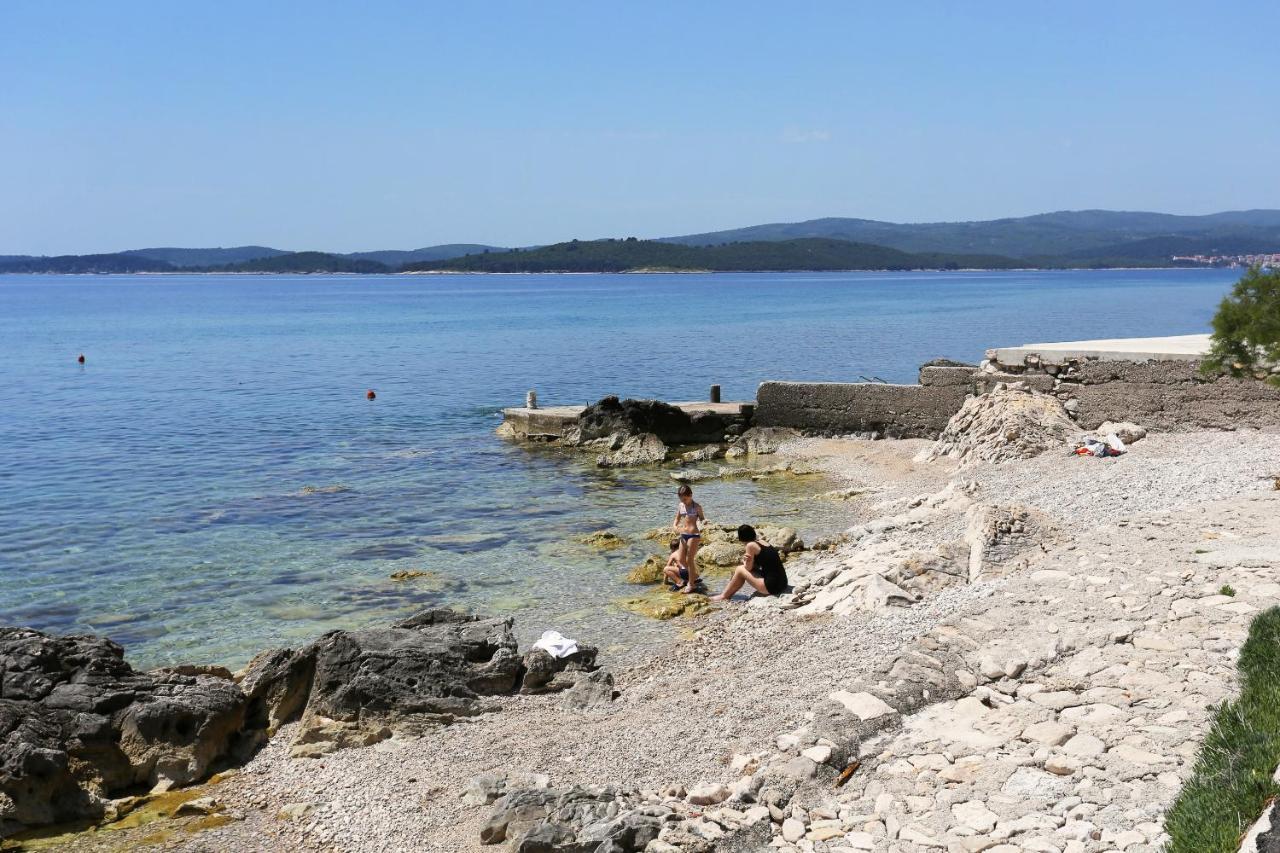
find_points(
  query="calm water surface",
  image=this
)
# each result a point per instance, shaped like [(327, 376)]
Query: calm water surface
[(212, 481)]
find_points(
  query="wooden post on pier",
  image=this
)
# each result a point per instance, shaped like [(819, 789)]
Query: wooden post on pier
[(531, 400), (715, 393)]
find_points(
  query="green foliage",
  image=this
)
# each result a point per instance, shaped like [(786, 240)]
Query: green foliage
[(1074, 238), (1232, 782), (307, 262), (1246, 329), (632, 254), (117, 262), (1227, 590)]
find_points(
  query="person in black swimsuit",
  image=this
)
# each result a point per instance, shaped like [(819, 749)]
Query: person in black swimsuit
[(761, 567)]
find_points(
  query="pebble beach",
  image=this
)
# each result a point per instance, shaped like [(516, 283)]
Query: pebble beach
[(1085, 666)]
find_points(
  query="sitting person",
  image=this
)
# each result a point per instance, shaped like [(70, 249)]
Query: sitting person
[(674, 571), (761, 567)]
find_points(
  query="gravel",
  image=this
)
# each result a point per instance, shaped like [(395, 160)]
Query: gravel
[(738, 678)]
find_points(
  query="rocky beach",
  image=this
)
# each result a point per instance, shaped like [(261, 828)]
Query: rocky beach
[(1010, 648)]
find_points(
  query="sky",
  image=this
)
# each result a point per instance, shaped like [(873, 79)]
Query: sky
[(345, 126)]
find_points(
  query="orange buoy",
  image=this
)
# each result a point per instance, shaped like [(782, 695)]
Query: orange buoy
[(369, 395), (81, 358)]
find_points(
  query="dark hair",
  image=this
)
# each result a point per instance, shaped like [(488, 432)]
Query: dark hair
[(675, 543), (746, 533), (685, 489)]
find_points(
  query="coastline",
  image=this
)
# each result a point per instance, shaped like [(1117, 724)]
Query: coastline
[(604, 272), (694, 714)]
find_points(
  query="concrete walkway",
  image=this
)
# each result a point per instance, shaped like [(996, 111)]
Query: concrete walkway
[(1173, 348)]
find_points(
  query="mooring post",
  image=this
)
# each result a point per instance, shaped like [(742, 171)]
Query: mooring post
[(531, 400), (715, 393)]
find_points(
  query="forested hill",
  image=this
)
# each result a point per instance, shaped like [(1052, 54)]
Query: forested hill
[(632, 254), (307, 262), (1069, 234)]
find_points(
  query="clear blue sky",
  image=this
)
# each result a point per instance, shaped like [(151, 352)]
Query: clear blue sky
[(346, 126)]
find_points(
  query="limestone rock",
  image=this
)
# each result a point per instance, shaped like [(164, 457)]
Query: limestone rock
[(667, 423), (650, 571), (276, 683), (603, 540), (78, 724), (433, 666), (590, 690), (1127, 432), (709, 794), (761, 440), (864, 706), (644, 449), (569, 820), (1003, 424), (975, 815)]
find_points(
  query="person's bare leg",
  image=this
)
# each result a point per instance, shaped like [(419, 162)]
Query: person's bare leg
[(741, 576), (691, 549), (732, 587), (672, 575)]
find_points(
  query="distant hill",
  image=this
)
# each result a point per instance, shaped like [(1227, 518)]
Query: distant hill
[(632, 254), (207, 257), (306, 262), (399, 257), (1246, 242), (1061, 234), (119, 262)]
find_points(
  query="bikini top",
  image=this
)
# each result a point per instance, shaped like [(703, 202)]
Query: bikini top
[(690, 511)]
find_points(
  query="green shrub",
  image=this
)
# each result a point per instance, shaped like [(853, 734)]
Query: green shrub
[(1232, 782), (1246, 329), (1228, 590)]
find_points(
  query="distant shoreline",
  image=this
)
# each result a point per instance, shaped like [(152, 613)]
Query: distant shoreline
[(247, 274)]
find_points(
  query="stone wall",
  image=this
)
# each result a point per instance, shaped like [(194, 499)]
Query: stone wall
[(1162, 395), (1167, 395), (895, 411)]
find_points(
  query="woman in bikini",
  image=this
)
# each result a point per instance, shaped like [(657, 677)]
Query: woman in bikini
[(688, 524), (761, 567)]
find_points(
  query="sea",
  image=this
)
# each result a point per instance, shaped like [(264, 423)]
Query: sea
[(213, 480)]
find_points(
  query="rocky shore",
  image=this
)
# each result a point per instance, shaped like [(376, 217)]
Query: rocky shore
[(999, 654)]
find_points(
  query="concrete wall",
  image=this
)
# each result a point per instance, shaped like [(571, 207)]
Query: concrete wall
[(896, 411), (1166, 395)]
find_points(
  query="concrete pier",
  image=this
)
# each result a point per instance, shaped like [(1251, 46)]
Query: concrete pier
[(1173, 348), (1156, 382)]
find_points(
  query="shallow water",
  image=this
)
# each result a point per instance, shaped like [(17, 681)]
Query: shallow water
[(212, 481)]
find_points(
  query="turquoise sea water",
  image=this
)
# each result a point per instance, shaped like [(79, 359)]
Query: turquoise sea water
[(213, 481)]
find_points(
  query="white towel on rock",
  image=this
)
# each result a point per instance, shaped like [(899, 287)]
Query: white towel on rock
[(556, 644)]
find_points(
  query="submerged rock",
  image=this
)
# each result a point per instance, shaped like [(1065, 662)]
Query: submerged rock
[(604, 540), (650, 571), (663, 605)]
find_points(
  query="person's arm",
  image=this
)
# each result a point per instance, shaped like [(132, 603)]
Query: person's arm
[(749, 556), (675, 522), (702, 518)]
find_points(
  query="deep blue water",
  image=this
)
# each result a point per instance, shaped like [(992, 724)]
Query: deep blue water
[(213, 480)]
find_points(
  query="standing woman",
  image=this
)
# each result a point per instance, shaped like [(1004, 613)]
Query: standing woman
[(688, 524)]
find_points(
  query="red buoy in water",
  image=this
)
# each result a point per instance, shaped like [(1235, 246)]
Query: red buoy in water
[(369, 395), (81, 358)]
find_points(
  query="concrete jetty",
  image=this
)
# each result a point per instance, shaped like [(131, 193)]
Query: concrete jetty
[(1171, 348), (1153, 381)]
